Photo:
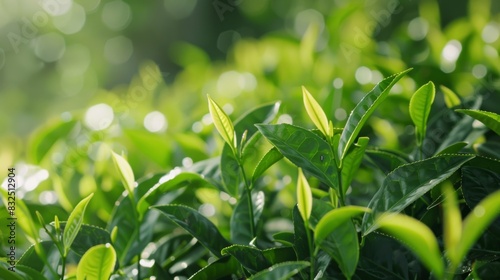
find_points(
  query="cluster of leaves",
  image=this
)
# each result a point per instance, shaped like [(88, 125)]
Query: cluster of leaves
[(410, 227)]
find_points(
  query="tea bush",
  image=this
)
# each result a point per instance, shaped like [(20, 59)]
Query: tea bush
[(405, 186)]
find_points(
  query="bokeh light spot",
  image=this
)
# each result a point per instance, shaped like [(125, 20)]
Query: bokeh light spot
[(99, 117), (490, 33), (116, 15), (118, 50), (363, 75), (418, 28), (72, 21), (155, 122), (50, 47)]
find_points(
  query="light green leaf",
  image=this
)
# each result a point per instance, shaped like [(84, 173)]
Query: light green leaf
[(351, 162), (281, 271), (305, 149), (270, 158), (408, 183), (420, 107), (334, 218), (23, 216), (97, 263), (43, 139), (417, 236), (126, 173), (304, 196), (451, 99), (335, 234), (476, 223), (222, 123), (197, 225), (315, 112), (363, 111), (74, 223), (452, 221), (491, 120)]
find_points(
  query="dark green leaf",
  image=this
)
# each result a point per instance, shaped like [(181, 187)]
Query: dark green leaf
[(408, 183), (320, 208), (284, 237), (219, 269), (301, 244), (279, 254), (240, 219), (386, 161), (87, 237), (174, 180), (197, 225), (270, 158), (363, 110), (351, 162), (305, 149), (249, 257), (453, 148), (230, 170), (281, 271), (11, 274), (488, 149)]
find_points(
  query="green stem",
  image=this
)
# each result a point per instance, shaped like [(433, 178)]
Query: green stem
[(311, 249), (249, 199)]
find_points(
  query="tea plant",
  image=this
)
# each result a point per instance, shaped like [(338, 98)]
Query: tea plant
[(404, 224)]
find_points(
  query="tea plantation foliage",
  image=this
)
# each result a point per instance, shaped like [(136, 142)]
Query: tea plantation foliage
[(344, 152)]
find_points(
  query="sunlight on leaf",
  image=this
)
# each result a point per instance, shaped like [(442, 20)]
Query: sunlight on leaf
[(126, 173), (451, 99), (97, 263), (491, 120), (74, 223), (222, 123), (315, 112), (304, 196), (417, 236), (420, 107)]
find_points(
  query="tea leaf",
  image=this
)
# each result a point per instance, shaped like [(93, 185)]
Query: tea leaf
[(305, 149), (351, 162), (408, 183), (74, 223), (304, 197), (126, 173), (420, 107), (197, 225), (222, 123), (281, 271), (270, 158), (249, 257), (451, 99), (335, 233), (225, 266), (240, 223), (315, 112), (363, 110), (417, 236), (44, 139), (452, 221), (97, 263), (452, 149), (491, 120)]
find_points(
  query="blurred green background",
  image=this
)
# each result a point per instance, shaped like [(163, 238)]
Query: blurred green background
[(78, 78)]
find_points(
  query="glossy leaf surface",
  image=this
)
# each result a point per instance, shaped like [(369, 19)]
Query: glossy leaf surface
[(451, 99), (240, 223), (417, 236), (74, 223), (97, 263), (281, 271), (420, 108), (304, 197), (315, 112), (223, 267), (335, 218), (222, 123), (197, 225), (305, 149), (363, 110), (490, 119), (249, 257), (408, 183), (126, 173), (270, 158), (452, 220), (351, 162)]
